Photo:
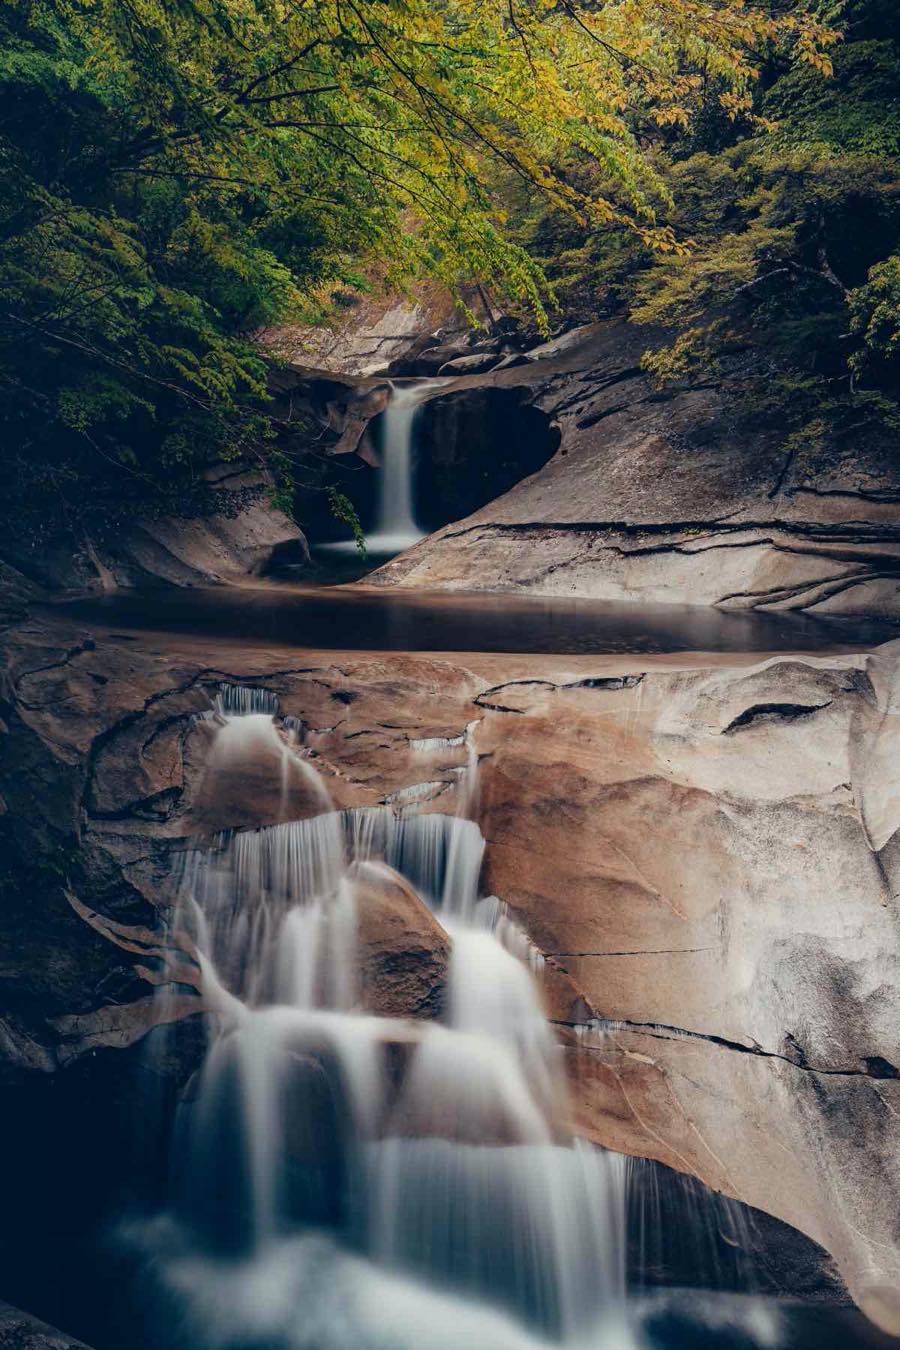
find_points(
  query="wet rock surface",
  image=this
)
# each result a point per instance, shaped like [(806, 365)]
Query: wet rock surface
[(18, 1331), (403, 950), (704, 853)]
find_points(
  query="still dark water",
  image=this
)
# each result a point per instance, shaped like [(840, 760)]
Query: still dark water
[(373, 620)]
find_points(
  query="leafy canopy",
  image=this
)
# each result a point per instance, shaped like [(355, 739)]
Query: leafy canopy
[(175, 174), (795, 262), (786, 286)]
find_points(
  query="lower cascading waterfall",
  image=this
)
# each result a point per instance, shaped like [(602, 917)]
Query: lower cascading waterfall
[(343, 1180)]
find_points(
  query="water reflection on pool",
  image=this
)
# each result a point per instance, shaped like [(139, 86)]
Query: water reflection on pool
[(361, 619)]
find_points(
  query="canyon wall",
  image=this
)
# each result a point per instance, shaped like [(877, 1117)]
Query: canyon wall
[(704, 850), (226, 530), (609, 487)]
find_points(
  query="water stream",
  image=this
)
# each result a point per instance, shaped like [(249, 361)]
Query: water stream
[(395, 525), (346, 1180)]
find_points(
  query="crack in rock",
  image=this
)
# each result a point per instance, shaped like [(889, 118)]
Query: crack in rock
[(651, 951), (605, 682), (851, 530), (590, 682), (592, 387), (868, 1066), (87, 645)]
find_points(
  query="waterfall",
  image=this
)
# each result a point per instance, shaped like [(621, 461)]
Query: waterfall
[(342, 1180), (395, 525)]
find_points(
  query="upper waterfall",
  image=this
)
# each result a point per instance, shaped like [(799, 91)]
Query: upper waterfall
[(395, 522)]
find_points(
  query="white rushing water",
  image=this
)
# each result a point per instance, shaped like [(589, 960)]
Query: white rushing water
[(343, 1180), (395, 525)]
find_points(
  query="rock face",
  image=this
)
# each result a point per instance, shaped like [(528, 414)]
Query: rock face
[(402, 949), (706, 854), (240, 534), (373, 331), (653, 496), (472, 445), (18, 1331), (234, 532)]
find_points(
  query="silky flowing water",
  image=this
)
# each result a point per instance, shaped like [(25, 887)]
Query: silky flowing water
[(395, 527), (343, 1181), (347, 1180)]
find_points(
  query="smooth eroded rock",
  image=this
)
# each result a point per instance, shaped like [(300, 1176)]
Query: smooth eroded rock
[(402, 949), (703, 849), (654, 496)]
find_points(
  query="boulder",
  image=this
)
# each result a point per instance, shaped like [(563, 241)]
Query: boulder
[(403, 950), (253, 774), (432, 359), (512, 360)]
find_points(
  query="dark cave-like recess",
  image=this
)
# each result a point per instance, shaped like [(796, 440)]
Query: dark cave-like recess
[(471, 446)]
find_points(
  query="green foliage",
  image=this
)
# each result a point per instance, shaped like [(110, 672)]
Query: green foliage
[(875, 317), (174, 176), (775, 240), (786, 213), (344, 511), (857, 111), (792, 282)]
